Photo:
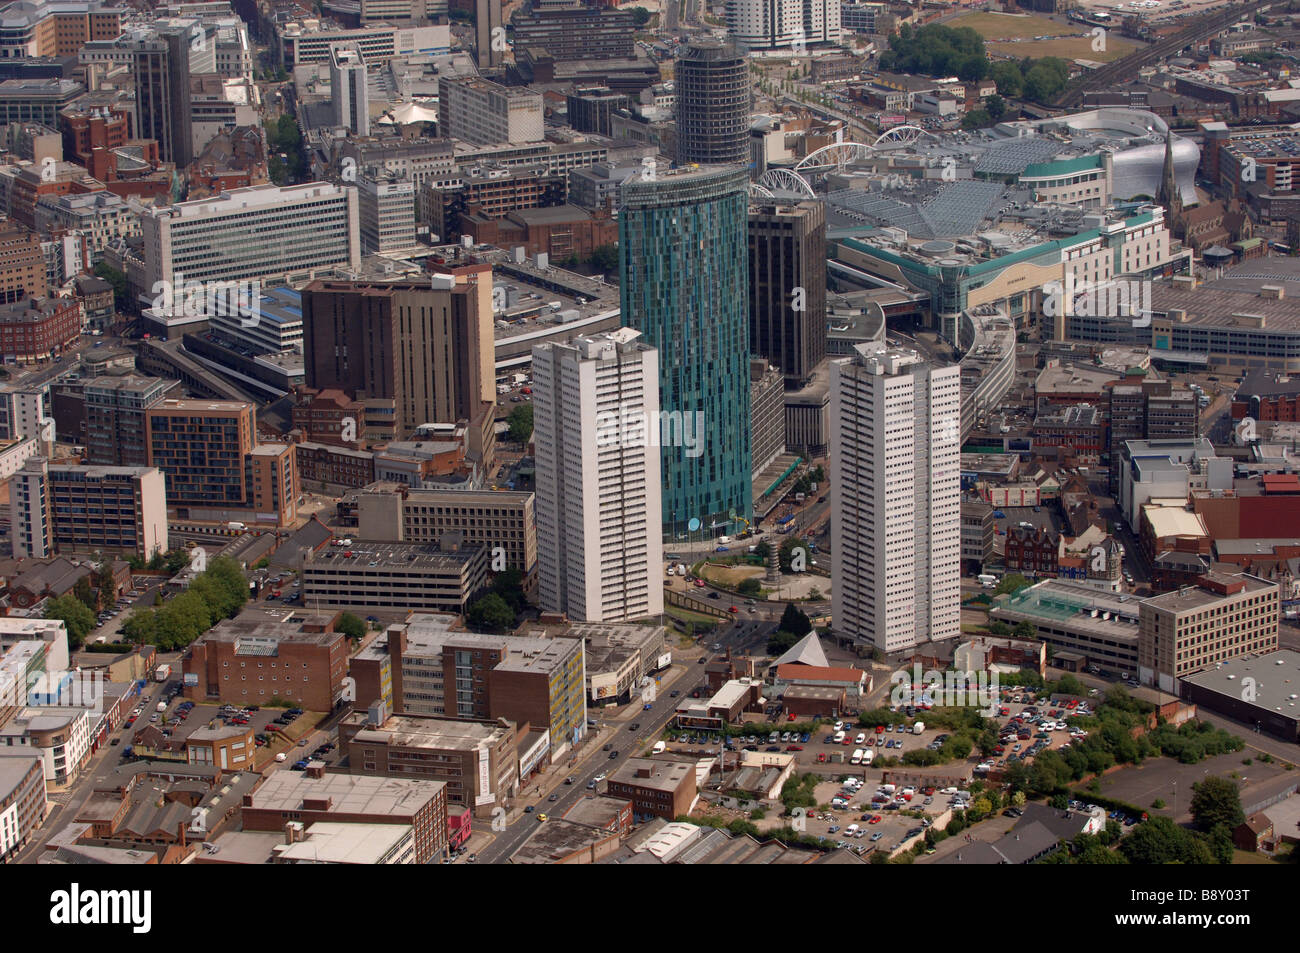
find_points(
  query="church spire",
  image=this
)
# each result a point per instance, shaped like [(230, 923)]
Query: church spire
[(1169, 195)]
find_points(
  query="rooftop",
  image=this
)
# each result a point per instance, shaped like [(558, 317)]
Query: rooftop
[(285, 791), (1276, 675)]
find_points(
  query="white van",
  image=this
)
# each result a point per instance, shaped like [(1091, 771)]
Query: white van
[(659, 748), (839, 737), (857, 756)]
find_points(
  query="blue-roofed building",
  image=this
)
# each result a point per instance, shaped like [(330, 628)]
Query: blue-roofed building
[(270, 323)]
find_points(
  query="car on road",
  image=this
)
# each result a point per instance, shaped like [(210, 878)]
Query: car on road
[(613, 755), (733, 609), (635, 726)]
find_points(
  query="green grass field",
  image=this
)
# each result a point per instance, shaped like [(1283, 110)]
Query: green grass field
[(997, 26), (1014, 36)]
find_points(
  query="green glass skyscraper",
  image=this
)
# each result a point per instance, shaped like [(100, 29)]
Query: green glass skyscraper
[(685, 286)]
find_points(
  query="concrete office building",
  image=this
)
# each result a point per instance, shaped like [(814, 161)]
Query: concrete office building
[(895, 489), (574, 31), (599, 507), (162, 66), (36, 100), (348, 90), (255, 233), (684, 284), (504, 521), (425, 667), (87, 509), (787, 287), (591, 109), (427, 346), (766, 414), (386, 209), (311, 796), (1223, 617), (116, 408), (477, 760), (713, 104), (480, 111), (489, 36), (403, 12), (303, 42)]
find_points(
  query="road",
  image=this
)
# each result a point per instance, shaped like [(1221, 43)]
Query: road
[(592, 760), (66, 805)]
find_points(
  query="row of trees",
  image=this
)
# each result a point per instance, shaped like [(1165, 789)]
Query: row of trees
[(938, 50), (76, 609), (217, 593)]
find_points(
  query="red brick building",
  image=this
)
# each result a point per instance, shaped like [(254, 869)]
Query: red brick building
[(1032, 551), (36, 329), (329, 416), (559, 231), (1267, 395), (656, 788), (248, 661)]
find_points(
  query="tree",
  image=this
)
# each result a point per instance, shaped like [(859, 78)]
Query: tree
[(795, 621), (640, 16), (1025, 629), (605, 257), (1008, 78), (509, 585), (1011, 582), (1159, 840), (1216, 801), (749, 587), (763, 550), (780, 642), (351, 626), (520, 422), (788, 549), (489, 614), (995, 106), (74, 614), (117, 280), (84, 593)]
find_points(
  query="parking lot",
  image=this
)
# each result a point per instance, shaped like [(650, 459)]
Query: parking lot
[(276, 730), (865, 817)]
